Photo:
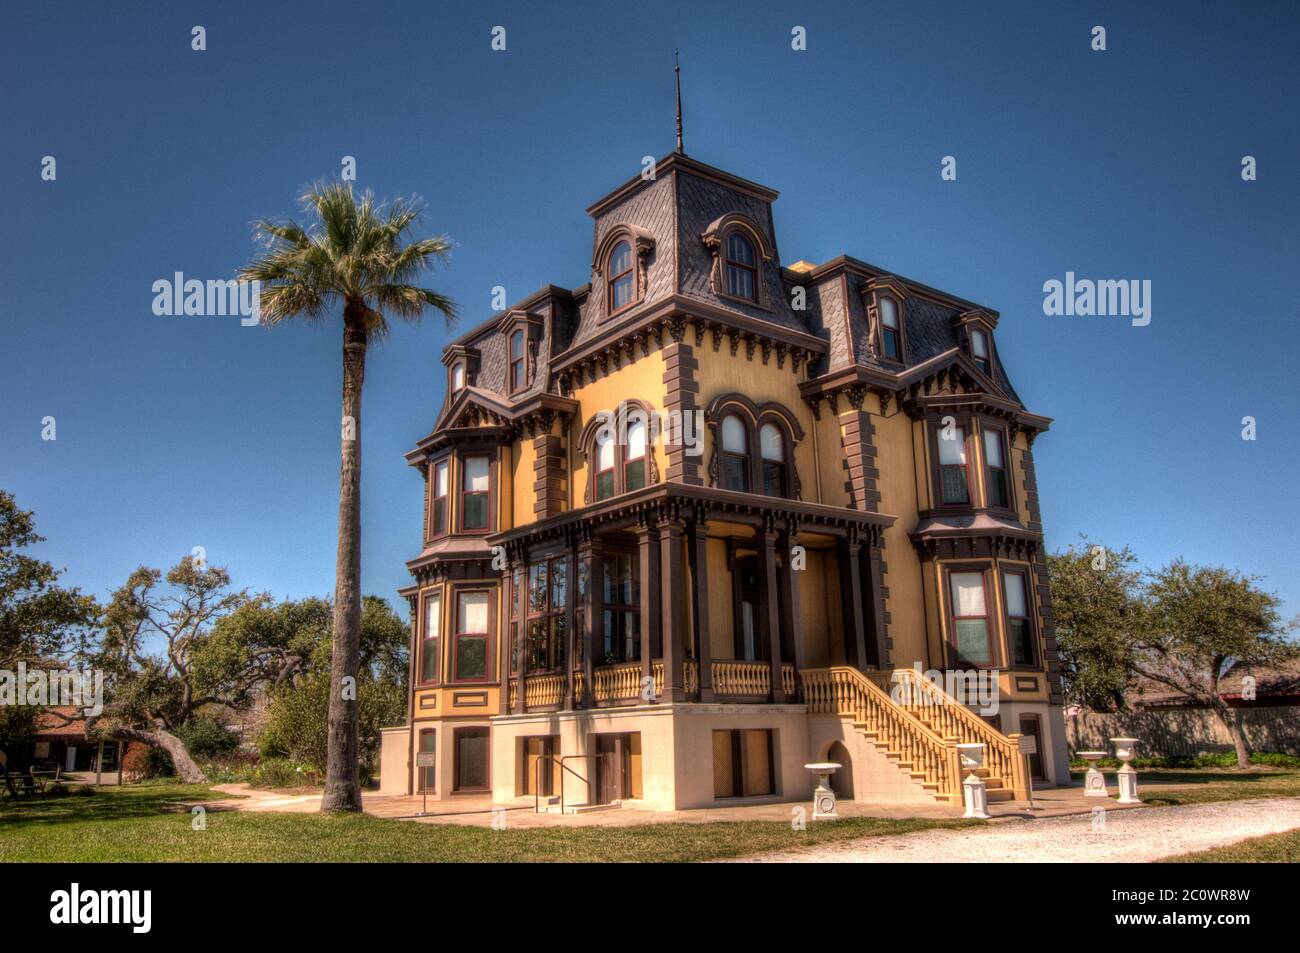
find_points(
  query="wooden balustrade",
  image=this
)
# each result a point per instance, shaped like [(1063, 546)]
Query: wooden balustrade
[(623, 681), (847, 692), (952, 719)]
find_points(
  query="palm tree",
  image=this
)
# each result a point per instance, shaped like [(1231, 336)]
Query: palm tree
[(357, 254)]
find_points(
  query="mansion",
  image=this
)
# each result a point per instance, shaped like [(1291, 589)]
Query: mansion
[(709, 517)]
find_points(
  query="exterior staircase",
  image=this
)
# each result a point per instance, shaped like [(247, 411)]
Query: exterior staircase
[(917, 726)]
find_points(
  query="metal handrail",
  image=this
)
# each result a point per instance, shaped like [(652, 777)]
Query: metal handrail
[(537, 780)]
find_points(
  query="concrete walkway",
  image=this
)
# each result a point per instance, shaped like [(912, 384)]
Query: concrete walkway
[(1133, 836)]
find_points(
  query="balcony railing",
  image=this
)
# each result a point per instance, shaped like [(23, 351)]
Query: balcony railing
[(732, 679)]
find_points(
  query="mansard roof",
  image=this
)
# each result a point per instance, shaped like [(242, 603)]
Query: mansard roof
[(675, 219)]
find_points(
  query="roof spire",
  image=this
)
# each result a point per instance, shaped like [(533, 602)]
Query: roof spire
[(677, 69)]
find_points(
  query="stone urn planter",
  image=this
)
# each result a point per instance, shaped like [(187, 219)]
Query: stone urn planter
[(1126, 751), (1094, 782), (975, 793)]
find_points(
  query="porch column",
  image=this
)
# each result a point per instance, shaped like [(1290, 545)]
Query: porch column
[(570, 622), (593, 615), (698, 552), (674, 613), (647, 539), (769, 613), (879, 628), (855, 636), (792, 610), (519, 570)]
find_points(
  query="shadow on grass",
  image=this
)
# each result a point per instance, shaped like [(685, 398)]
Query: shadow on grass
[(99, 804)]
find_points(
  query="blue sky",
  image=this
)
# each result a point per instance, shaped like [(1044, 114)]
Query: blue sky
[(183, 432)]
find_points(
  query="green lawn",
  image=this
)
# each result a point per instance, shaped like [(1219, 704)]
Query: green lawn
[(1281, 848), (151, 823), (1214, 784)]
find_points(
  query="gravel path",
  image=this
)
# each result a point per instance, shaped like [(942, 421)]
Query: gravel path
[(1131, 836)]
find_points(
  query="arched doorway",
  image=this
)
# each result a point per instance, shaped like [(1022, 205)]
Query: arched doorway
[(841, 780)]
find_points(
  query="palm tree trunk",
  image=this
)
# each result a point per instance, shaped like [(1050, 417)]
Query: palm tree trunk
[(342, 781)]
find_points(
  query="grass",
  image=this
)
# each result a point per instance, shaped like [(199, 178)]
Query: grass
[(153, 824), (1281, 848), (1212, 785)]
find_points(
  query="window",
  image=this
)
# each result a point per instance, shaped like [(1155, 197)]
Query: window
[(547, 602), (995, 465), (742, 763), (735, 454), (432, 633), (891, 340), (952, 466), (1019, 633), (428, 776), (441, 486), (622, 280), (634, 455), (970, 618), (475, 491), (471, 759), (457, 378), (604, 464), (741, 266), (518, 362), (622, 592), (517, 593), (979, 349), (748, 593), (771, 444), (471, 639)]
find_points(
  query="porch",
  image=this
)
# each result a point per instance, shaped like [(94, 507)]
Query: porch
[(677, 593)]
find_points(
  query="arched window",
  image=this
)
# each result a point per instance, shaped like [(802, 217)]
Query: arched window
[(772, 449), (634, 455), (518, 362), (622, 281), (891, 340), (457, 378), (735, 454), (741, 266), (979, 350), (604, 464)]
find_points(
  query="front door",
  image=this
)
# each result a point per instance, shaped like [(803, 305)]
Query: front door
[(611, 768), (1030, 725)]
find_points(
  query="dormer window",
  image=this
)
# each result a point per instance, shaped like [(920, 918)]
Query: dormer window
[(979, 349), (891, 339), (457, 378), (518, 362), (741, 266), (622, 278), (735, 454)]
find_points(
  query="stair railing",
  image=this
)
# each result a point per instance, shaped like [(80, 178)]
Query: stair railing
[(844, 691), (951, 719)]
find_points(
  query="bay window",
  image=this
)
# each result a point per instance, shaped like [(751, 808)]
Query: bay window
[(995, 467), (438, 504), (953, 484), (476, 486), (1020, 636), (970, 618), (431, 639), (470, 642)]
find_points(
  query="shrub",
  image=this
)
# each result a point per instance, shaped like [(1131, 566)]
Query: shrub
[(142, 762), (205, 737), (283, 773), (1226, 759), (297, 724)]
